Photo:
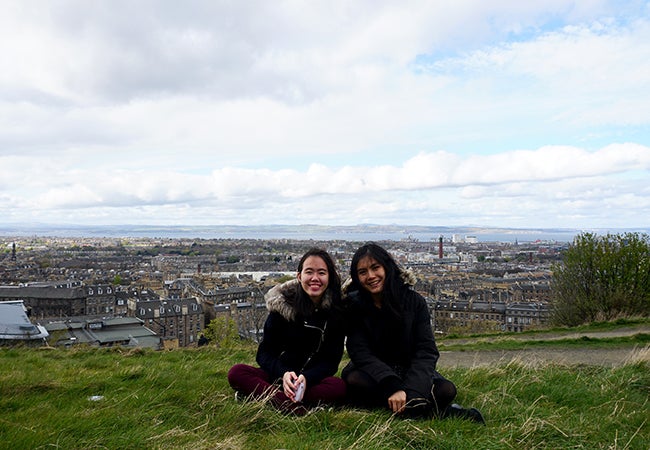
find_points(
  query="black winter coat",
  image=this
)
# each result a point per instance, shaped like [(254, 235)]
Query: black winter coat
[(398, 356), (310, 345)]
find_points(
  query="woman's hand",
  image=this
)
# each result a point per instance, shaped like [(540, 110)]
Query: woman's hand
[(290, 382), (397, 402)]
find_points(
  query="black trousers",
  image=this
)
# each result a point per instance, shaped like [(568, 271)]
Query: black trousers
[(364, 392)]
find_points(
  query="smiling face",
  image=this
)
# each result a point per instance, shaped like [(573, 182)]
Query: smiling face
[(314, 278), (372, 276)]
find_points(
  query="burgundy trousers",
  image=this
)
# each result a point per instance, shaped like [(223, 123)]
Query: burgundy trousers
[(254, 382)]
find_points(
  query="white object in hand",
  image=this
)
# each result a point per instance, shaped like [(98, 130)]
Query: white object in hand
[(300, 391)]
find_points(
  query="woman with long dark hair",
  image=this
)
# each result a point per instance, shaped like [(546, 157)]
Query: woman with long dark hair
[(302, 344), (393, 353)]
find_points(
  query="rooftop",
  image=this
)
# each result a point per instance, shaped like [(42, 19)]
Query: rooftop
[(15, 325)]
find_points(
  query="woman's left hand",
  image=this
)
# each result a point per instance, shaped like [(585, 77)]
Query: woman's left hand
[(397, 402), (290, 383)]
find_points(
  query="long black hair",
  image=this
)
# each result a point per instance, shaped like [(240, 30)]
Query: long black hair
[(303, 303), (394, 286)]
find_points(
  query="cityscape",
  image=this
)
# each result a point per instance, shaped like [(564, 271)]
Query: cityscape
[(163, 292)]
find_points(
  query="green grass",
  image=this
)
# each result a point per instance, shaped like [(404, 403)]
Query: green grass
[(612, 325), (510, 343), (181, 399)]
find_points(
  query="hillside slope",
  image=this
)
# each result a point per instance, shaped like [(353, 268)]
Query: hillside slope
[(608, 348)]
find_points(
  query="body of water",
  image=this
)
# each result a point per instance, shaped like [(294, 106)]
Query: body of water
[(359, 233)]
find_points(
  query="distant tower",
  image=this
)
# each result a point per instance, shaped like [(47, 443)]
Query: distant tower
[(13, 251), (440, 248)]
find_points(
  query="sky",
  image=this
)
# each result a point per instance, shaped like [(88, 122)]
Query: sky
[(495, 113)]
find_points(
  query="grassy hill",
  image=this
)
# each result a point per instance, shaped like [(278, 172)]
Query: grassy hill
[(121, 399)]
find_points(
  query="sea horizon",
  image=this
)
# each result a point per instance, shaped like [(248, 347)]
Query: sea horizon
[(361, 232)]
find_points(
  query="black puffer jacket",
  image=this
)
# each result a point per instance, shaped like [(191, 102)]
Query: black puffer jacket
[(310, 345), (398, 356)]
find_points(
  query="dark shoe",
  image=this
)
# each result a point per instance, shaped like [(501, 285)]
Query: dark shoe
[(473, 414)]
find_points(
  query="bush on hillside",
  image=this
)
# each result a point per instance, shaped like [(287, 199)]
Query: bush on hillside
[(602, 278), (222, 332)]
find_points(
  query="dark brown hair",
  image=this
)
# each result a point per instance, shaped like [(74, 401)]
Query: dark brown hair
[(394, 286), (303, 304)]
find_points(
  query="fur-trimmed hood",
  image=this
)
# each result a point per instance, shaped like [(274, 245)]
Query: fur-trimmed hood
[(281, 297), (408, 277)]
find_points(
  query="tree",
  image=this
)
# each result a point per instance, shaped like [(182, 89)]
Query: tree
[(602, 277), (285, 278), (222, 331)]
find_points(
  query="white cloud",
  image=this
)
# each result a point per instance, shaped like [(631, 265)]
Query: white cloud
[(516, 184), (519, 112)]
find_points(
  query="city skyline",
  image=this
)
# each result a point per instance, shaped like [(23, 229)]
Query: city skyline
[(506, 114)]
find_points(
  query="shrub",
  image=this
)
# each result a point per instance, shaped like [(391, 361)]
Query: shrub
[(602, 278), (222, 332)]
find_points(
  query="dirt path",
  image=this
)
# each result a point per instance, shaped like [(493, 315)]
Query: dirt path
[(608, 357), (539, 357)]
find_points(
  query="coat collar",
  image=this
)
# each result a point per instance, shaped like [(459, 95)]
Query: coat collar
[(281, 297)]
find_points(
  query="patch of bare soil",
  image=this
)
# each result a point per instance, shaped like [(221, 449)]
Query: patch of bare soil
[(606, 357)]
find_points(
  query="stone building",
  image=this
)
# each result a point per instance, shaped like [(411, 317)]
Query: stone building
[(105, 299), (523, 316), (179, 321), (128, 332), (480, 316), (532, 291), (249, 317), (44, 300), (68, 299)]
